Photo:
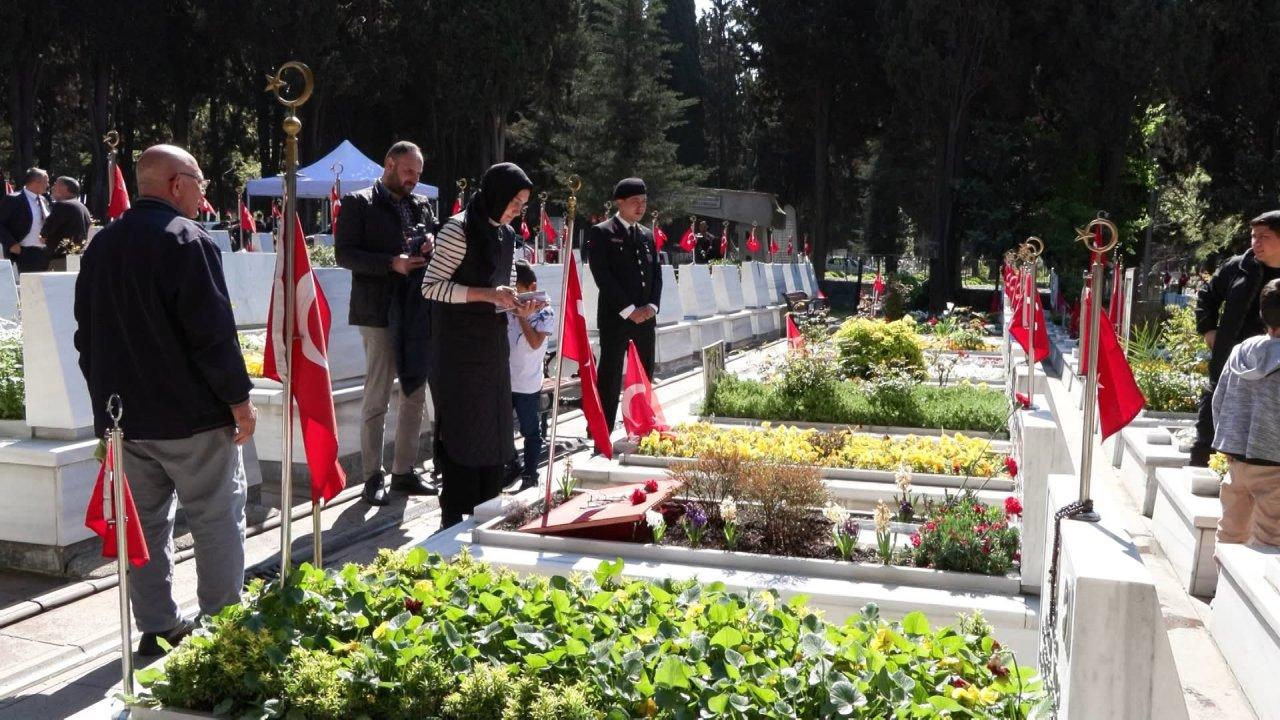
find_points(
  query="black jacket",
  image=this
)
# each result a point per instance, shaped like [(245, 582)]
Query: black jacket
[(68, 220), (1222, 302), (15, 219), (626, 272), (154, 325), (369, 235)]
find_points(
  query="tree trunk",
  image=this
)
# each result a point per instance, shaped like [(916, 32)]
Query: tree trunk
[(24, 79), (944, 267), (97, 184), (182, 120), (821, 161)]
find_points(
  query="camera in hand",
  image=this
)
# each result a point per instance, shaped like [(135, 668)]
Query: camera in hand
[(419, 235)]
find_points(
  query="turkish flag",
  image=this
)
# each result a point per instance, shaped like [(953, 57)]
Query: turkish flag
[(119, 195), (687, 241), (95, 517), (1018, 328), (524, 229), (773, 246), (659, 237), (724, 243), (548, 230), (1119, 398), (205, 206), (311, 387), (335, 207), (275, 209), (878, 285), (575, 346), (246, 219), (790, 246), (641, 411), (753, 245), (794, 339), (457, 206), (1010, 281)]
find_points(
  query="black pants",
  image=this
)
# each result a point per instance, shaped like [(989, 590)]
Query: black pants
[(32, 259), (463, 487), (1203, 446), (614, 339)]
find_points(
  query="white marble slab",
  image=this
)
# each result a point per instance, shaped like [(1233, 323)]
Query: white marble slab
[(46, 484), (323, 239), (264, 242), (1042, 451), (8, 292), (590, 296), (57, 397), (1245, 622), (73, 263), (222, 239), (670, 307), (782, 281), (753, 289), (797, 279), (249, 277), (697, 294), (1141, 460), (674, 343), (346, 349), (1185, 526), (728, 288)]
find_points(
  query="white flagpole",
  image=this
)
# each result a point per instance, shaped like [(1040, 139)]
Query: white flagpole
[(566, 257), (113, 499)]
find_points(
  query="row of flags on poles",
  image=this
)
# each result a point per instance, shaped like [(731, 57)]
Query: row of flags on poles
[(1119, 398)]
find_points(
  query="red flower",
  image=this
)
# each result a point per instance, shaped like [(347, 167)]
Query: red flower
[(651, 486), (955, 467), (959, 683), (1012, 506), (1017, 556), (986, 546), (933, 321), (980, 528), (996, 668), (638, 496), (963, 353), (915, 540), (931, 525), (413, 605), (1023, 401), (1011, 466)]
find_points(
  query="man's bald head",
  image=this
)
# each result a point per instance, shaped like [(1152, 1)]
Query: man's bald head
[(169, 173), (158, 164)]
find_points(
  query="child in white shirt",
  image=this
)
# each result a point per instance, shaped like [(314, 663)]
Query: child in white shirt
[(528, 340)]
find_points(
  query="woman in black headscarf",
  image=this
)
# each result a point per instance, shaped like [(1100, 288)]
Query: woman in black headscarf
[(470, 277)]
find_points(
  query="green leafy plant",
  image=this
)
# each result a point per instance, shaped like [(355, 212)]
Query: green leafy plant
[(322, 256), (13, 404), (1168, 389), (415, 636), (869, 347), (965, 535)]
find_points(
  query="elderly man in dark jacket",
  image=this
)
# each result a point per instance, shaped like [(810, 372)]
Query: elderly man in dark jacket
[(154, 326), (373, 242), (1227, 313)]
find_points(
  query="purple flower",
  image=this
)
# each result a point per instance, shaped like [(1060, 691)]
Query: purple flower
[(696, 515), (850, 527), (906, 511)]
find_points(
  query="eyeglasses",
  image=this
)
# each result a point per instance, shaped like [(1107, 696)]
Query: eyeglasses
[(204, 184)]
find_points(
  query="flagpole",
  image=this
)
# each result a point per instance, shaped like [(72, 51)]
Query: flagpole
[(1030, 252), (1097, 255), (566, 256), (116, 490), (292, 126), (541, 236), (112, 141)]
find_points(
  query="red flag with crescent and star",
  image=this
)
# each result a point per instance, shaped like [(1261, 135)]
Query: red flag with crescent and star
[(641, 411)]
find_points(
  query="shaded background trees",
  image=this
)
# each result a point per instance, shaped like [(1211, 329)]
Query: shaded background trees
[(945, 129)]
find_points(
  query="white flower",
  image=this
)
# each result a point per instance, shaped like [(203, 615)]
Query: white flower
[(903, 477), (834, 513), (654, 519), (883, 516), (729, 509)]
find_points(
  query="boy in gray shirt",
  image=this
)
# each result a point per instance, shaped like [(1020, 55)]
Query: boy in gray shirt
[(1246, 416)]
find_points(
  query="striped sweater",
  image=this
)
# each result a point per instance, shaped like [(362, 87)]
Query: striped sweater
[(449, 250)]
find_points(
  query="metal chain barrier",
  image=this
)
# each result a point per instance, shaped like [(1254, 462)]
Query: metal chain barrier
[(1049, 620)]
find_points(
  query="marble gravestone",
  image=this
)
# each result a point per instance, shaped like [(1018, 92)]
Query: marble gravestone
[(670, 307), (346, 348), (699, 300), (57, 397), (729, 301), (222, 239), (8, 293), (249, 277), (264, 242)]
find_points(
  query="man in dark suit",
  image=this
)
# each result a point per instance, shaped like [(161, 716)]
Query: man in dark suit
[(22, 217), (68, 221), (624, 264)]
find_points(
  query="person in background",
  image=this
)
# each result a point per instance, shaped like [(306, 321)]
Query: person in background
[(469, 283), (1246, 419), (373, 243), (68, 221), (154, 326), (1227, 313), (624, 264), (527, 337), (22, 217)]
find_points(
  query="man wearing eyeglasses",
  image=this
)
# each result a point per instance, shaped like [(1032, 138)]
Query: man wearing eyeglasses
[(22, 216), (154, 326)]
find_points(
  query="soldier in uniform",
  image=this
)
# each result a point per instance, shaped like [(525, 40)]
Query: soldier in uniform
[(624, 264)]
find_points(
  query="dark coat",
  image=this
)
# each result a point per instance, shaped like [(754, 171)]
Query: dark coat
[(154, 325), (369, 236), (68, 220), (1221, 304), (15, 220), (626, 272)]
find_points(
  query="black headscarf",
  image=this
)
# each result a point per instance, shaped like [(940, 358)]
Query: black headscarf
[(498, 186)]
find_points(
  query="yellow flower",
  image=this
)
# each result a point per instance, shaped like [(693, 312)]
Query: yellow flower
[(882, 640), (989, 696)]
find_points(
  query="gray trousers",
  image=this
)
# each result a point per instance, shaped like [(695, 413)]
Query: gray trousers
[(206, 473), (380, 375)]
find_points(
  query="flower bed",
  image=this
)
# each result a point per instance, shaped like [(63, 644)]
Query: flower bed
[(415, 636), (946, 455), (897, 401), (13, 403), (1168, 389)]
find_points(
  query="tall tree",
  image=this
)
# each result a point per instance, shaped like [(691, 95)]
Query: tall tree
[(724, 96), (679, 24)]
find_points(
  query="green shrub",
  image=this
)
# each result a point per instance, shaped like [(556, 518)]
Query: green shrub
[(869, 347), (890, 400), (12, 386), (965, 535), (573, 648), (1168, 389)]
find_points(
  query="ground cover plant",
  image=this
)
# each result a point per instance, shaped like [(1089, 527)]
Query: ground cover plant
[(415, 636)]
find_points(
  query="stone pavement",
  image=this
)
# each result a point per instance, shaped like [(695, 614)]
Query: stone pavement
[(65, 662)]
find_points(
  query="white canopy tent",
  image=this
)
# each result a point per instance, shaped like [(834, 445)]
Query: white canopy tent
[(316, 179)]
